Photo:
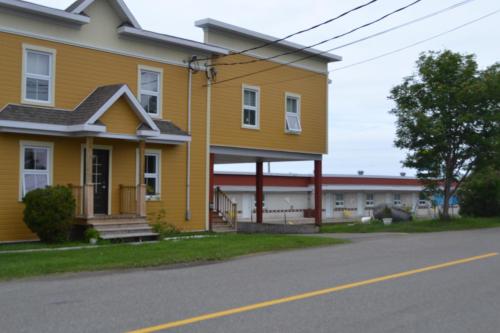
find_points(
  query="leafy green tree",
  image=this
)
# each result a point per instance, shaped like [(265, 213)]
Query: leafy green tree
[(480, 194), (448, 119)]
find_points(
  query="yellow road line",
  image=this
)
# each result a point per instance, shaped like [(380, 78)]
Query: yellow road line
[(307, 295)]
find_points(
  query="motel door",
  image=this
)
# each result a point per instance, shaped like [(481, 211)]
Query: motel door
[(246, 210), (328, 205)]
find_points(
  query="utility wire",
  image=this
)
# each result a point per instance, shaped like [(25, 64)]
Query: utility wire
[(382, 55), (319, 43), (417, 43), (298, 32)]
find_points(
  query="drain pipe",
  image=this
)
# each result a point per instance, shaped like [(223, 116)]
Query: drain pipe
[(188, 154)]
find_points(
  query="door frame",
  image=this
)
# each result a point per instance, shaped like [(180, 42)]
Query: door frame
[(110, 173)]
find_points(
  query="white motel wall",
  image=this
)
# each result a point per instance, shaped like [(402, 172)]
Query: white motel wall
[(345, 197)]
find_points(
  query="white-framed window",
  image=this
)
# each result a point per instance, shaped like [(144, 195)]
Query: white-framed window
[(150, 89), (152, 173), (251, 107), (370, 200), (35, 166), (397, 199), (292, 113), (423, 200), (38, 77), (339, 200)]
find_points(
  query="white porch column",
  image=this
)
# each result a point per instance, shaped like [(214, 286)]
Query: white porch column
[(88, 187)]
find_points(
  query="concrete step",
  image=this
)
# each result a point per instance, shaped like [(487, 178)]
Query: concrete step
[(114, 231), (116, 221), (107, 226), (131, 236)]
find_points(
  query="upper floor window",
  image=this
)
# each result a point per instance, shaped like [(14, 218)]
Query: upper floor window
[(251, 107), (370, 202), (339, 200), (292, 113), (150, 89), (35, 166), (397, 199), (38, 75)]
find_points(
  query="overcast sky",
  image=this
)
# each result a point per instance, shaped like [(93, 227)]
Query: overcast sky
[(361, 132)]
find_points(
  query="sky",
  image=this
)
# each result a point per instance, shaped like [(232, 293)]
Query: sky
[(361, 130)]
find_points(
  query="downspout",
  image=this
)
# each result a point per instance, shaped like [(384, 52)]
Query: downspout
[(188, 157)]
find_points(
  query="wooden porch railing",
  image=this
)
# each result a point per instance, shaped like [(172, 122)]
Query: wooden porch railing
[(77, 191), (128, 199), (225, 206)]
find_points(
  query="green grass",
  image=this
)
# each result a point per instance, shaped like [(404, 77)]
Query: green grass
[(37, 245), (18, 265), (415, 226)]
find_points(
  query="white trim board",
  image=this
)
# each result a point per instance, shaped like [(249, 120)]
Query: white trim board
[(53, 13)]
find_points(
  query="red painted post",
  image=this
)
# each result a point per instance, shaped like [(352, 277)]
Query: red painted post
[(211, 190), (318, 192), (259, 190)]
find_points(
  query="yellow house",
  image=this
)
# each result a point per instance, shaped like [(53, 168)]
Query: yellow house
[(133, 120)]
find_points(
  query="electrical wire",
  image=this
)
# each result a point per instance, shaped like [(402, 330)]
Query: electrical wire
[(298, 32), (321, 42)]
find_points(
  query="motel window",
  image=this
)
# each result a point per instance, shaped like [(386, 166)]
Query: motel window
[(35, 166), (38, 75), (263, 201), (250, 107), (397, 199), (423, 200), (152, 174), (339, 200), (150, 90), (370, 202), (292, 113)]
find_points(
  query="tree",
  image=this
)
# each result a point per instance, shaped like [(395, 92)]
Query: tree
[(480, 193), (448, 119)]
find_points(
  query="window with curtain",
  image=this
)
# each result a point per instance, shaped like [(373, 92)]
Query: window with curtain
[(35, 168), (38, 76), (370, 202), (339, 200), (397, 199), (150, 91), (293, 113), (251, 107)]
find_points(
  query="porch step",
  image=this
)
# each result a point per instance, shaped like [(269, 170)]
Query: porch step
[(123, 228), (131, 236)]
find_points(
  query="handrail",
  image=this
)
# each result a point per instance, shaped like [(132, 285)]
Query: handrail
[(225, 206), (77, 191), (128, 199)]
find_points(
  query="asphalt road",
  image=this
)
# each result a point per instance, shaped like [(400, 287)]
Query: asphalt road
[(460, 298)]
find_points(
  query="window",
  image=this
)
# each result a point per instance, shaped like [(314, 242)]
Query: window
[(150, 89), (370, 202), (35, 166), (38, 75), (397, 199), (151, 175), (339, 200), (423, 200), (250, 107), (292, 111)]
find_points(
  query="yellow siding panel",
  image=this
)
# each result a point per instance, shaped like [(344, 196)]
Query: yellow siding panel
[(120, 118)]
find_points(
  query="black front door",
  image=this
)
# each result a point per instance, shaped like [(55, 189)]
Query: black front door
[(100, 179)]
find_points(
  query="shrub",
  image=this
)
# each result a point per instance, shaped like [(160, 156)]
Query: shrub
[(160, 225), (91, 233), (480, 194), (49, 213)]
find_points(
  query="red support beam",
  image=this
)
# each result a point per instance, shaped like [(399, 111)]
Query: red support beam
[(259, 190), (318, 211), (211, 190)]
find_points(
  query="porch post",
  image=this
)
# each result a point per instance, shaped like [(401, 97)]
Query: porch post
[(318, 192), (211, 181), (259, 195), (141, 187), (88, 187)]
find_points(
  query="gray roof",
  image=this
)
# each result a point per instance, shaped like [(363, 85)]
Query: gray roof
[(81, 115)]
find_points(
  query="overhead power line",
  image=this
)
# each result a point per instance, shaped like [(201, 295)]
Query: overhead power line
[(298, 32), (416, 43), (322, 42), (379, 56)]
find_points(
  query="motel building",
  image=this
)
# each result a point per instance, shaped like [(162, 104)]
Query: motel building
[(290, 197)]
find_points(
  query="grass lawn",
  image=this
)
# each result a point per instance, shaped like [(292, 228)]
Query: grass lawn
[(17, 265), (415, 226)]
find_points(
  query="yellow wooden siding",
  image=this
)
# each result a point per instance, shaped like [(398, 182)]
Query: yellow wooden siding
[(227, 107), (120, 118), (78, 72)]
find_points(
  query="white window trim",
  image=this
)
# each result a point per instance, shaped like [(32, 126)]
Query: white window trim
[(158, 70), (372, 204), (299, 102), (256, 108), (50, 169), (400, 201), (156, 152), (342, 205), (52, 71)]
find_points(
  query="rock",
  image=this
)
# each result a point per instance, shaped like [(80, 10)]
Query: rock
[(397, 214)]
